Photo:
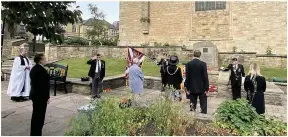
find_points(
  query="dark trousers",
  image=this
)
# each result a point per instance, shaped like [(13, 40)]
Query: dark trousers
[(163, 79), (96, 85), (38, 117), (236, 92), (203, 101)]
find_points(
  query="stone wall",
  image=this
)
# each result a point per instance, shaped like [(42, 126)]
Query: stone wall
[(62, 52), (249, 26), (53, 52), (15, 51), (10, 47), (246, 58)]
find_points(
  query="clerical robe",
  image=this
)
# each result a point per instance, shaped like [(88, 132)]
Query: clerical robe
[(19, 84)]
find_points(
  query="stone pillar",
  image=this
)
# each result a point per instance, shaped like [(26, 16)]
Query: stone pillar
[(145, 16), (47, 51)]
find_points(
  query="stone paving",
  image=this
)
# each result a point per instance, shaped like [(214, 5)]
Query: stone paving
[(16, 117)]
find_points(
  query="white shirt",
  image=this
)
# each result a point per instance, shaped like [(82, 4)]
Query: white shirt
[(98, 64)]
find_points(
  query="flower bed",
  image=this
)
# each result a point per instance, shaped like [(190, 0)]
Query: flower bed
[(169, 118)]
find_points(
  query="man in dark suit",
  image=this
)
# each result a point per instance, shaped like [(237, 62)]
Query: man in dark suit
[(197, 83), (237, 72), (39, 94), (97, 73)]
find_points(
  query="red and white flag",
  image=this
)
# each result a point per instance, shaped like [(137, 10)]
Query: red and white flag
[(133, 53)]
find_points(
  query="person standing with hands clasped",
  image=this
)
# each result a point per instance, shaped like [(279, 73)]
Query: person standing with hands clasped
[(97, 73), (39, 94), (197, 83)]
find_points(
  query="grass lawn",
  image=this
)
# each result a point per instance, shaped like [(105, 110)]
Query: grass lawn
[(269, 73), (115, 66)]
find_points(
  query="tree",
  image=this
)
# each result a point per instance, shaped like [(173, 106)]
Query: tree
[(98, 26), (41, 18)]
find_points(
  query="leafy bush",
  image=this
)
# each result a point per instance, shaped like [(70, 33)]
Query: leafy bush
[(234, 49), (269, 50), (156, 44), (76, 41), (241, 118), (106, 42)]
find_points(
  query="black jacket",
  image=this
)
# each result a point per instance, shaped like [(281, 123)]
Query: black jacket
[(174, 76), (163, 64), (40, 84), (236, 78), (92, 69), (196, 77), (258, 99)]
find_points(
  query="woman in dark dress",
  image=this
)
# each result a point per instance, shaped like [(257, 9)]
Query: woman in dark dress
[(255, 86)]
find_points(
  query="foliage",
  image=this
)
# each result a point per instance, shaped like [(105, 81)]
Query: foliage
[(241, 118), (76, 41), (166, 45), (156, 44), (202, 128), (269, 50), (99, 26), (41, 18), (162, 118), (108, 42), (234, 49)]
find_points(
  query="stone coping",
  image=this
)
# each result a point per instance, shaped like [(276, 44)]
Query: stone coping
[(264, 55), (17, 40), (104, 46), (237, 52), (279, 83), (79, 82)]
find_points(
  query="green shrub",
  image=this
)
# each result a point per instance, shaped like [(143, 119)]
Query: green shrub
[(76, 41), (156, 44), (241, 118), (105, 42), (269, 50)]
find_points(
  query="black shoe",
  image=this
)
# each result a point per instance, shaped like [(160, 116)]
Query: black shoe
[(96, 96)]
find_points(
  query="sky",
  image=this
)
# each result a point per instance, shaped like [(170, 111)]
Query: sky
[(109, 8)]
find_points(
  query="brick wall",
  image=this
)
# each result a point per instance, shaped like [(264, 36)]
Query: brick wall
[(249, 26)]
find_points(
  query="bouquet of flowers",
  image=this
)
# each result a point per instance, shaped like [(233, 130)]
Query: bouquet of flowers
[(125, 103)]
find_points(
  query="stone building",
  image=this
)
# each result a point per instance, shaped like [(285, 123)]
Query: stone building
[(79, 29), (248, 26)]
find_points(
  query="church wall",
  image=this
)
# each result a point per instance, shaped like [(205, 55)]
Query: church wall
[(249, 26)]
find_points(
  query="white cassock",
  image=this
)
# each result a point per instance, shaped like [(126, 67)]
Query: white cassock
[(19, 77)]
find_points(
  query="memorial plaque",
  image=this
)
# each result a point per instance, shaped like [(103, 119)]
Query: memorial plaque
[(209, 53)]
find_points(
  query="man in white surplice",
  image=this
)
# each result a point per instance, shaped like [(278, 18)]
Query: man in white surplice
[(19, 84)]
